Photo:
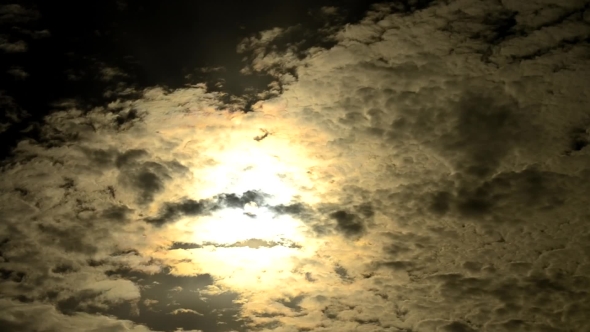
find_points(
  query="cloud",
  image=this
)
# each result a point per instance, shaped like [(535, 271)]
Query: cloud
[(18, 73), (47, 318), (426, 172), (110, 73), (12, 113), (348, 223), (14, 13), (12, 47)]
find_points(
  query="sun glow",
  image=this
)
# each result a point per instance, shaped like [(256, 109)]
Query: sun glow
[(232, 226), (252, 239), (275, 166)]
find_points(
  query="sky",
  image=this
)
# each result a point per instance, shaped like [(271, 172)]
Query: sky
[(288, 166)]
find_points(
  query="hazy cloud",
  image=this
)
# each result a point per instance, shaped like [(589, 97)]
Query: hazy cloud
[(18, 73), (14, 13), (12, 46)]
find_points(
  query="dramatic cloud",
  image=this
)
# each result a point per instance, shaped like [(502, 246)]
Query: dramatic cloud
[(424, 169)]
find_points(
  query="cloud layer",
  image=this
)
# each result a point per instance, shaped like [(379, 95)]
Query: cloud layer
[(427, 172)]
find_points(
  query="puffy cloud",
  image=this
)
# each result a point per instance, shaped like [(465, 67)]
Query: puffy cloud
[(47, 318), (428, 173)]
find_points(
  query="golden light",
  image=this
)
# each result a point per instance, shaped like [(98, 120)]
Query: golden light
[(273, 167), (251, 240), (231, 226)]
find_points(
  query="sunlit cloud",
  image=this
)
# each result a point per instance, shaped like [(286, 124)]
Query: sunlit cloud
[(404, 175)]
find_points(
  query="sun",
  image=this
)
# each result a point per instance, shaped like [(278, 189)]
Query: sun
[(235, 226), (251, 239), (268, 169)]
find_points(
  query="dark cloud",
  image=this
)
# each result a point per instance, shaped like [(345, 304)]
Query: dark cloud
[(173, 211), (129, 157), (70, 239), (495, 200), (484, 133), (185, 245), (148, 178), (9, 275), (580, 138), (147, 181), (83, 301), (189, 207), (118, 213), (294, 209), (343, 274), (457, 327), (11, 113), (171, 302), (292, 302), (350, 224), (483, 128), (239, 200), (14, 13)]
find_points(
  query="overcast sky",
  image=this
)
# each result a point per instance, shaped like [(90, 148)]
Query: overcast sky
[(295, 166)]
